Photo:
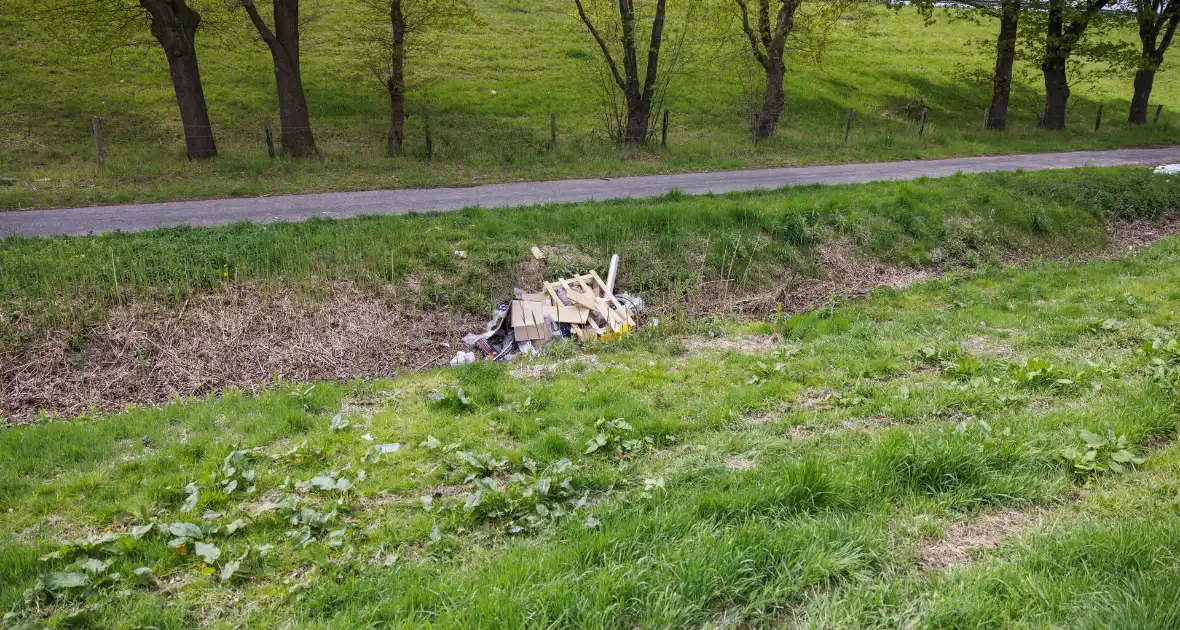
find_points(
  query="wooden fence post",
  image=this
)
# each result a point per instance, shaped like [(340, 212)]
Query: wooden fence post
[(1098, 119), (270, 139), (754, 128), (987, 114), (922, 125), (100, 152), (848, 124), (664, 131), (1158, 109), (429, 139), (553, 131)]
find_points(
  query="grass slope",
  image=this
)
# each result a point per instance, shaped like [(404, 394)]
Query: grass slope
[(670, 245), (797, 481), (491, 90)]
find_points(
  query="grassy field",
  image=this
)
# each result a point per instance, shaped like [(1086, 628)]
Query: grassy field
[(811, 470), (491, 91)]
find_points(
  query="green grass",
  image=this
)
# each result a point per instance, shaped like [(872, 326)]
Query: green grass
[(803, 496), (669, 245), (537, 59)]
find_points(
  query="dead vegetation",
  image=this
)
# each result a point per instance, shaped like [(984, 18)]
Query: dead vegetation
[(242, 337), (842, 273), (1130, 235), (959, 543)]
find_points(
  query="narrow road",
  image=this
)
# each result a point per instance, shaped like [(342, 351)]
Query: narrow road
[(139, 217)]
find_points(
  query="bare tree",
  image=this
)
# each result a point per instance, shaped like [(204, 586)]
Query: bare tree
[(101, 25), (295, 135), (1157, 24), (769, 43), (391, 39), (638, 95)]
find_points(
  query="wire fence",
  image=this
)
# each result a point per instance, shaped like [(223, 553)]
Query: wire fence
[(429, 135)]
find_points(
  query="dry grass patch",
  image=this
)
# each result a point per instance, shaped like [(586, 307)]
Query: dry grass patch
[(960, 542), (241, 337)]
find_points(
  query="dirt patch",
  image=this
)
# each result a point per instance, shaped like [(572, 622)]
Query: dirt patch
[(738, 462), (988, 347), (843, 273), (744, 344), (534, 371), (1130, 235), (801, 432), (961, 540), (760, 418), (240, 337)]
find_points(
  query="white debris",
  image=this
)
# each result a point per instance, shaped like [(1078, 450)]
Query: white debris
[(463, 358), (1167, 169), (461, 253), (387, 448), (368, 437)]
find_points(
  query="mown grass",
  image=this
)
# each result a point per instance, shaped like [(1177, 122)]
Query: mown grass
[(491, 91), (803, 495), (669, 245)]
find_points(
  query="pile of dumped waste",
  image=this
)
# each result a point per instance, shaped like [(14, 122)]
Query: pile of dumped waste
[(582, 307)]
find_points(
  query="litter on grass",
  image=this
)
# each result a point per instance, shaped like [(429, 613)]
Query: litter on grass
[(1167, 169), (581, 307)]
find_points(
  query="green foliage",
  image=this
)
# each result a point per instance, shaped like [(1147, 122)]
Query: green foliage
[(1099, 453), (1041, 373), (457, 401), (617, 436), (1163, 368), (761, 372)]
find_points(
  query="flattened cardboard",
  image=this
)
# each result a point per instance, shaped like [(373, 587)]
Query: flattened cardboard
[(528, 320)]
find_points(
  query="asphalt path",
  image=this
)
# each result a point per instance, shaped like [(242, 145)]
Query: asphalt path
[(209, 212)]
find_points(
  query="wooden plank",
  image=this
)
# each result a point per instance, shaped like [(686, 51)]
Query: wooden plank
[(537, 253), (581, 280), (580, 299), (623, 311), (595, 303)]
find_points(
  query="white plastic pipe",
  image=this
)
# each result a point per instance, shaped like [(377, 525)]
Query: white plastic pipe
[(610, 276)]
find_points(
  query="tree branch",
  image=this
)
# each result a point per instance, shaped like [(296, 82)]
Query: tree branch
[(263, 30), (784, 24), (653, 51), (758, 55), (610, 61), (1173, 13)]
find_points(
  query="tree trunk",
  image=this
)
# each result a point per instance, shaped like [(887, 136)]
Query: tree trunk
[(637, 123), (175, 25), (397, 81), (1144, 78), (297, 139), (1056, 97), (1053, 68), (295, 136), (635, 128), (773, 98), (997, 117)]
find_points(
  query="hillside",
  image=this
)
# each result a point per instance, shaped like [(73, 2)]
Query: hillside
[(911, 460), (491, 90)]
